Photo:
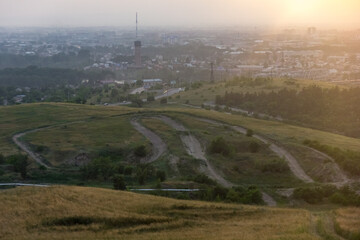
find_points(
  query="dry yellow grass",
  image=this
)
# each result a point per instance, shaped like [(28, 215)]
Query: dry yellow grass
[(50, 213), (348, 222)]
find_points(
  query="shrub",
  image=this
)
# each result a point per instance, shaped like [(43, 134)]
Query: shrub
[(150, 98), (219, 145), (140, 151), (128, 170), (161, 175), (163, 101), (2, 159), (249, 132), (202, 178), (120, 169), (40, 148), (100, 167), (119, 182), (20, 163), (254, 147), (275, 166)]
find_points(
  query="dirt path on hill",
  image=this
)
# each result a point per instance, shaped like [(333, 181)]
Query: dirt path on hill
[(25, 147), (194, 148), (343, 178), (158, 144), (268, 199), (280, 151)]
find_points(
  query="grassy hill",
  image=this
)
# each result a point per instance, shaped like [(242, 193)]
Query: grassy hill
[(199, 94), (92, 213)]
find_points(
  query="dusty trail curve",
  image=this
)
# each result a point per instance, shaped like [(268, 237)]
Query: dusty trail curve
[(23, 146), (193, 147), (268, 200), (341, 175), (280, 151), (159, 146)]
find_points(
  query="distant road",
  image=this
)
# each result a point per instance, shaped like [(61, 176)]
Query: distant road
[(137, 90), (169, 93)]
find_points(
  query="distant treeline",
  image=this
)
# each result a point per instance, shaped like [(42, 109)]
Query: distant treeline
[(61, 60), (331, 109), (33, 76)]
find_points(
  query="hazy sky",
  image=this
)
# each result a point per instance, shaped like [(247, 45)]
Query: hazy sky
[(327, 13)]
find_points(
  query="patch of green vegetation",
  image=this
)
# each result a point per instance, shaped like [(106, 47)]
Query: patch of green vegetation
[(347, 159), (238, 163), (114, 137), (327, 193)]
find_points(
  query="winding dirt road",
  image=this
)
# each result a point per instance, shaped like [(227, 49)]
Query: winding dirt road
[(23, 146), (159, 146), (280, 151), (193, 147)]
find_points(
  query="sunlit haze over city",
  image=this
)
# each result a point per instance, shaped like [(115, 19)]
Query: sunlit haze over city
[(182, 13), (180, 119)]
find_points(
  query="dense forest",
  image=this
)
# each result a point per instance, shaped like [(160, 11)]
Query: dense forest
[(336, 110)]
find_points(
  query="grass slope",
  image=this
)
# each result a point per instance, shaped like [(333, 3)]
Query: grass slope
[(277, 131), (65, 142), (92, 213), (14, 119), (207, 92)]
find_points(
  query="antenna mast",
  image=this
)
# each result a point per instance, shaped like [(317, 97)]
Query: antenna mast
[(136, 25)]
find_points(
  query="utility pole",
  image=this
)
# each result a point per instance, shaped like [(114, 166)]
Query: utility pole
[(212, 78)]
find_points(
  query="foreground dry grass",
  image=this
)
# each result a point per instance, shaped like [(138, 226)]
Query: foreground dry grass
[(347, 222), (92, 213)]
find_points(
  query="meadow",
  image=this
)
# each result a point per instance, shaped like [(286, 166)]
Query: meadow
[(92, 213)]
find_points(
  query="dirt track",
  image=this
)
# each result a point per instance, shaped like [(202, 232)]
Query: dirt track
[(342, 178), (159, 146), (281, 152), (193, 147), (26, 148), (268, 200)]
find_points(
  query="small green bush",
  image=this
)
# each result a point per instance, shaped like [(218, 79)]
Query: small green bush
[(119, 182), (140, 151)]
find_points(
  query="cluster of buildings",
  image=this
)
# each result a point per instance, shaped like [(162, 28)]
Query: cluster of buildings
[(295, 53)]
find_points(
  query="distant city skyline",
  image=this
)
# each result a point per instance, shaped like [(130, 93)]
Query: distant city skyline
[(180, 13)]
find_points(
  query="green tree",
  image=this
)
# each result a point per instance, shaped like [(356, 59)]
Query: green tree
[(20, 164), (2, 159), (254, 147), (119, 182), (150, 98), (249, 133), (219, 145), (128, 171), (140, 151), (161, 175)]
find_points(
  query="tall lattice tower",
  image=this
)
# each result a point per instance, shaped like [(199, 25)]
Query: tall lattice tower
[(212, 77), (137, 47)]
